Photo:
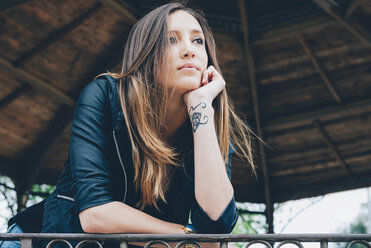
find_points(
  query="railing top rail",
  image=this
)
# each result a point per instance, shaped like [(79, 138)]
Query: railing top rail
[(196, 237)]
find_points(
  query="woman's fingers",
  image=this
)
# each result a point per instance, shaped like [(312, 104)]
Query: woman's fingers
[(215, 78), (213, 74), (212, 82), (204, 77)]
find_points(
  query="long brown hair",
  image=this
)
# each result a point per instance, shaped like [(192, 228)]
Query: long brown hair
[(143, 100)]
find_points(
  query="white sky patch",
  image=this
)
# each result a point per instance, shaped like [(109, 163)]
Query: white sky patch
[(332, 214)]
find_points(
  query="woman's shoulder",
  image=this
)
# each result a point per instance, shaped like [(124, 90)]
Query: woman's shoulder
[(99, 90)]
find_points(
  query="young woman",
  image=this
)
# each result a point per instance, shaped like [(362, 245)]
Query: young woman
[(152, 144)]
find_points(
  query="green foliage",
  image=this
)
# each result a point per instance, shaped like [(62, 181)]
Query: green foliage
[(8, 198), (250, 223), (40, 191), (358, 226)]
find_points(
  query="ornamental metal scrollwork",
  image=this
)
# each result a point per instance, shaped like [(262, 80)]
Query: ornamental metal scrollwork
[(84, 242), (156, 242), (258, 242), (51, 243), (187, 242), (294, 242), (365, 243)]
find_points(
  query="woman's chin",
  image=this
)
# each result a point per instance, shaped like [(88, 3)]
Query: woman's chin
[(188, 85)]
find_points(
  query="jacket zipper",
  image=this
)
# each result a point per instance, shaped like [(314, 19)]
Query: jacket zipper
[(122, 165), (66, 197)]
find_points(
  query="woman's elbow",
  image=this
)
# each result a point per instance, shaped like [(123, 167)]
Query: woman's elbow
[(90, 221)]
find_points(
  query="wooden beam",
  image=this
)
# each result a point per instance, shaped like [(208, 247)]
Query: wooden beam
[(330, 143), (279, 34), (319, 69), (291, 31), (122, 10), (55, 36), (6, 6), (300, 59), (300, 170), (295, 191), (244, 193), (352, 6), (322, 114), (36, 82), (325, 170), (352, 26), (14, 95), (282, 194), (343, 68), (254, 92)]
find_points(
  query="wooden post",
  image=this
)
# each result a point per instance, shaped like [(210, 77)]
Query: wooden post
[(254, 92)]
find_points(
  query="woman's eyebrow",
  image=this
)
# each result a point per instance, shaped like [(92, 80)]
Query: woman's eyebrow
[(196, 31)]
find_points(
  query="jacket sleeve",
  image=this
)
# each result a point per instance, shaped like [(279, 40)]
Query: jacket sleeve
[(226, 221), (89, 147)]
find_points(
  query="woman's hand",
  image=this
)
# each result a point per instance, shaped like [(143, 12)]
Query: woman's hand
[(212, 83)]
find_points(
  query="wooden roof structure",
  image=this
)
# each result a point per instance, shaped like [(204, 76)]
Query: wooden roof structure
[(298, 72)]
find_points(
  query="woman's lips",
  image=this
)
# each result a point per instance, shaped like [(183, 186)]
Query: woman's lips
[(189, 67)]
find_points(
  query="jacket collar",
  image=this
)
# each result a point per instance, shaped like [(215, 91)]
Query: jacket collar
[(114, 98)]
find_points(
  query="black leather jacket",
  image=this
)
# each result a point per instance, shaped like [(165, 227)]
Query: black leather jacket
[(99, 170)]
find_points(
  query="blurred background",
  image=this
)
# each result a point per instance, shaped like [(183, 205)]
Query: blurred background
[(298, 72)]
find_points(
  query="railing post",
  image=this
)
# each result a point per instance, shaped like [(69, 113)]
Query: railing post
[(124, 244), (26, 243), (324, 244), (223, 244)]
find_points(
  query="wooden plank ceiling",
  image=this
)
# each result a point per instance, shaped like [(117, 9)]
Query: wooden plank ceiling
[(304, 65)]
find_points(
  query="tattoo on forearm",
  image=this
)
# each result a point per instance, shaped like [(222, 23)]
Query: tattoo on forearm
[(193, 108), (196, 116)]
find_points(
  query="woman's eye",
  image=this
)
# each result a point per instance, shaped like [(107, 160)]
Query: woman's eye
[(172, 40), (199, 41)]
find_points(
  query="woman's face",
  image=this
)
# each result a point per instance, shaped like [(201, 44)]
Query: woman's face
[(186, 57)]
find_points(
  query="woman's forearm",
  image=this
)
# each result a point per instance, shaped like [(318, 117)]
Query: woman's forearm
[(117, 217), (213, 190)]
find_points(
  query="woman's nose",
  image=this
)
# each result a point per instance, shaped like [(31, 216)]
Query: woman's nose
[(187, 52)]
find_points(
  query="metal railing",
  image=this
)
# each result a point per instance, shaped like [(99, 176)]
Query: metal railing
[(182, 240)]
